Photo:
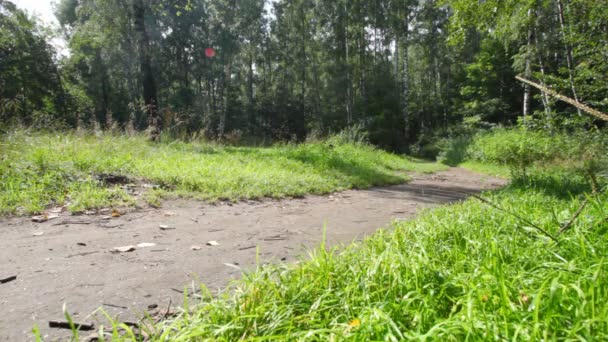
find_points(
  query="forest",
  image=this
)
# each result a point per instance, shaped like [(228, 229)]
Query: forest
[(259, 71), (304, 170)]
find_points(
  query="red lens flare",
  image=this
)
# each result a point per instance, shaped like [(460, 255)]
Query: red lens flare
[(210, 52)]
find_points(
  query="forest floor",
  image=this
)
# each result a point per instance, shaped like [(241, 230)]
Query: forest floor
[(72, 259)]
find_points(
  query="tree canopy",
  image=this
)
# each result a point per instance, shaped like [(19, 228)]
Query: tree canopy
[(287, 69)]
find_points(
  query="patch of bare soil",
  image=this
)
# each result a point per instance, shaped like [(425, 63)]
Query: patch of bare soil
[(74, 260)]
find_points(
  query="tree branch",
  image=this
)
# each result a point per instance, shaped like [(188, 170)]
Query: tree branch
[(585, 108)]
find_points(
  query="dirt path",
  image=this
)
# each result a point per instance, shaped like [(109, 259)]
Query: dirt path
[(72, 261)]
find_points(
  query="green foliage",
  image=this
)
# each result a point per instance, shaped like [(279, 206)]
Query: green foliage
[(355, 134), (453, 150), (517, 148), (461, 272), (30, 85), (38, 170), (521, 149)]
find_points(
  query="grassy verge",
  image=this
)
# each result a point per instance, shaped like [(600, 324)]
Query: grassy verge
[(38, 170), (489, 169), (463, 272)]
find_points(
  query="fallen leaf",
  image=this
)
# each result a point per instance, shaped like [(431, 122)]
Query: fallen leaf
[(213, 243), (106, 217), (81, 244), (38, 233), (165, 227), (40, 218), (145, 245), (115, 213), (124, 249), (104, 210), (196, 248)]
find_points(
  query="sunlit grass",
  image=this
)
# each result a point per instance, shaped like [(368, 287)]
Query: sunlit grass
[(462, 272), (38, 170), (489, 169)]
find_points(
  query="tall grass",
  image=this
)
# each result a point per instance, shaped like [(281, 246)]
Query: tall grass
[(37, 170), (463, 272)]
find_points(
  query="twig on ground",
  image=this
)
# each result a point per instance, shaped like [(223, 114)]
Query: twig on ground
[(72, 222), (66, 325), (81, 254), (166, 312), (114, 306), (568, 225), (8, 279), (131, 324)]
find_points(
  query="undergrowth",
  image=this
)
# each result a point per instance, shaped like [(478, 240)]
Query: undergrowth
[(38, 170)]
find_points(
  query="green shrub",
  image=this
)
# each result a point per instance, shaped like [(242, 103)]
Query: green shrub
[(518, 149), (453, 150)]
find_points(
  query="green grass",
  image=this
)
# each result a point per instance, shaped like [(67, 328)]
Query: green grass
[(38, 170), (489, 169), (462, 272)]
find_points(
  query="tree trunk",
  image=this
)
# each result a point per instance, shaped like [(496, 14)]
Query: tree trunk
[(250, 104), (569, 59), (301, 120), (405, 94), (348, 103), (147, 74), (545, 97), (528, 69)]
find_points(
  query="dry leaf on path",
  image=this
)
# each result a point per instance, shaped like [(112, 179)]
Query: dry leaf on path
[(145, 245), (165, 227), (44, 217), (213, 243), (124, 249), (196, 248), (38, 233)]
